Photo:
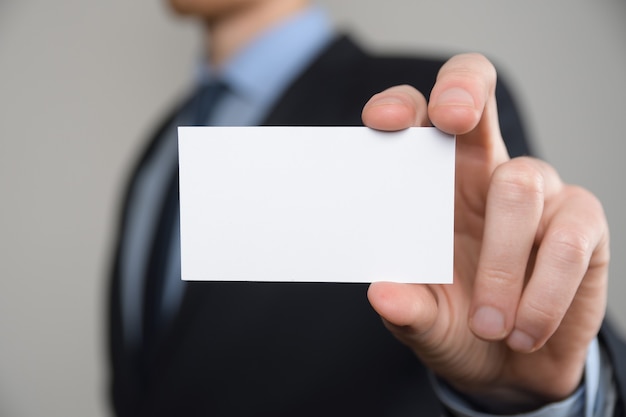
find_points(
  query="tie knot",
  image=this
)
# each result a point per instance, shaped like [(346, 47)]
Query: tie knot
[(204, 102)]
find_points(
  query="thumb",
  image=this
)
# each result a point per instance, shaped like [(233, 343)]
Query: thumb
[(409, 311)]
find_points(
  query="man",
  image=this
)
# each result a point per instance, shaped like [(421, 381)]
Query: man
[(517, 330)]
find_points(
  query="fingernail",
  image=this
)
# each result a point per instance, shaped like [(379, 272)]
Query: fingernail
[(521, 341), (455, 97), (488, 322)]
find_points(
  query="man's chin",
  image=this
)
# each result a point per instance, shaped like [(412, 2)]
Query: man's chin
[(206, 9), (184, 7)]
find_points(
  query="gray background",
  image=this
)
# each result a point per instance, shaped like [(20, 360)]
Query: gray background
[(82, 82)]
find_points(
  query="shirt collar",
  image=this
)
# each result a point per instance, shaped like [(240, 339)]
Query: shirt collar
[(261, 70)]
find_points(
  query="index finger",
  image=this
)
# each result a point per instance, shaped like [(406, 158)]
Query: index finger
[(463, 103)]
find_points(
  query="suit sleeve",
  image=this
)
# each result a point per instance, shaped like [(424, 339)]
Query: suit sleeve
[(615, 348)]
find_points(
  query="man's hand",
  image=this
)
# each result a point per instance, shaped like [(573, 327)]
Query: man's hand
[(531, 256)]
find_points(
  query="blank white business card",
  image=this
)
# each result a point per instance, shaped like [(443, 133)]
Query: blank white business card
[(316, 204)]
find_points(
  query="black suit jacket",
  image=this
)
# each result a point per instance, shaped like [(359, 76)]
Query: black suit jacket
[(276, 349)]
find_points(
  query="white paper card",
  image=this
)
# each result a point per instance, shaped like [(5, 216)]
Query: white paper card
[(316, 204)]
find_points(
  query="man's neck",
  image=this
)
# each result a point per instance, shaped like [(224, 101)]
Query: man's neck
[(231, 32)]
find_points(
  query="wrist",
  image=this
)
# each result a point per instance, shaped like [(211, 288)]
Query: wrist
[(501, 397), (505, 401), (458, 405)]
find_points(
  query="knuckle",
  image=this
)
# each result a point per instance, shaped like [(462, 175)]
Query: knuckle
[(587, 198), (472, 67), (519, 180), (542, 316), (569, 246), (498, 275), (483, 63)]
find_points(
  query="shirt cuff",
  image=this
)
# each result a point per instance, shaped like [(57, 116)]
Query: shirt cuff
[(582, 403)]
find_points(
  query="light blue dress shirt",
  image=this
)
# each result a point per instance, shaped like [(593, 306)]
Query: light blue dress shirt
[(256, 77)]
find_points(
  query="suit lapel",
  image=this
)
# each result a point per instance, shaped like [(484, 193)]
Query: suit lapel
[(329, 92)]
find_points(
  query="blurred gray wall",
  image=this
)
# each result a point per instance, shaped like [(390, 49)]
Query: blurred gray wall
[(83, 82)]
